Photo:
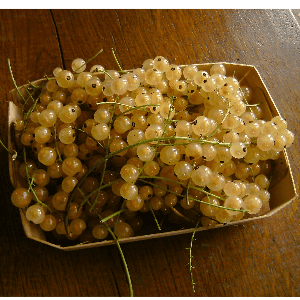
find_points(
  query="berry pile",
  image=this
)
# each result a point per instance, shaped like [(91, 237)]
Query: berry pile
[(104, 148)]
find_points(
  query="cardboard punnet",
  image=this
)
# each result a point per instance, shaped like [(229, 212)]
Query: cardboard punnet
[(282, 188)]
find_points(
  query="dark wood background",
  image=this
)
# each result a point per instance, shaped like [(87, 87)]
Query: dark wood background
[(260, 258)]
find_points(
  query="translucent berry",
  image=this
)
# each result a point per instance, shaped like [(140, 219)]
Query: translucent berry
[(78, 65), (65, 79), (47, 156), (21, 197), (35, 213)]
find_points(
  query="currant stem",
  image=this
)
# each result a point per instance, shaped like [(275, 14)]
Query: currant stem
[(89, 60), (190, 254), (30, 182), (120, 250), (105, 162), (13, 79), (219, 125), (179, 195), (9, 151), (56, 147), (89, 135), (112, 215), (113, 52), (158, 226), (247, 104)]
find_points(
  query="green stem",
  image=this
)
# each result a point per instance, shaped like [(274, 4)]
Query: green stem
[(158, 144), (101, 188), (112, 215), (9, 151), (158, 226), (131, 107), (247, 104), (13, 79), (179, 195), (32, 85), (90, 136), (219, 125), (30, 109), (30, 182), (105, 162), (113, 52), (89, 60), (120, 250), (190, 250), (56, 147)]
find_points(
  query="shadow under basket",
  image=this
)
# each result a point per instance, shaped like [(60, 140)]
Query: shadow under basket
[(282, 188)]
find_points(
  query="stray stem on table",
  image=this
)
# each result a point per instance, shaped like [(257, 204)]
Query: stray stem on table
[(190, 261)]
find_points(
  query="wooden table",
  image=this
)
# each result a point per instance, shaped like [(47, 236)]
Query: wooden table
[(260, 258)]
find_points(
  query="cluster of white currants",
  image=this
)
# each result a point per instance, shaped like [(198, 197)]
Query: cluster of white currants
[(163, 139)]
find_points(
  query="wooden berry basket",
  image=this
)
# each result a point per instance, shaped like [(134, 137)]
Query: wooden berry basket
[(282, 188)]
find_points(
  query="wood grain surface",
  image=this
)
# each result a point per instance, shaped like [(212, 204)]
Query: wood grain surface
[(260, 258)]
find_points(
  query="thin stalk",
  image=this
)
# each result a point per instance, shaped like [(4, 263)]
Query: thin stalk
[(120, 250), (112, 215), (190, 254), (137, 144), (56, 147), (113, 52), (245, 99), (158, 226), (105, 162), (13, 79), (34, 86), (131, 107), (96, 190), (30, 109), (89, 60), (89, 135), (9, 151), (158, 144), (219, 125), (197, 200), (30, 183), (48, 79), (26, 101)]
